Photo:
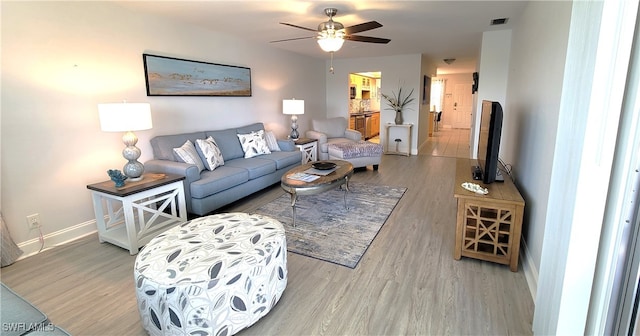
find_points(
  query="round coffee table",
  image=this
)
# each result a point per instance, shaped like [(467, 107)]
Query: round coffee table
[(337, 178)]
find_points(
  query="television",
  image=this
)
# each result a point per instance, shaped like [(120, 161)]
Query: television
[(489, 143)]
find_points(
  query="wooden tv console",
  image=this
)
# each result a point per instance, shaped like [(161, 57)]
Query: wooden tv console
[(488, 226)]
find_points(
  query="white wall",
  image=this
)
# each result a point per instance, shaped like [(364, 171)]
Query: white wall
[(595, 77), (404, 70), (539, 45), (492, 78), (60, 59)]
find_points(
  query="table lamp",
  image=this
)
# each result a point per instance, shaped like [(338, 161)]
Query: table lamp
[(293, 107), (127, 117)]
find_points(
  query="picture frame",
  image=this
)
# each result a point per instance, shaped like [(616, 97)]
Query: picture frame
[(426, 90), (169, 76)]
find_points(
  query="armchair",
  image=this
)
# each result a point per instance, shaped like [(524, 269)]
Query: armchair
[(331, 131)]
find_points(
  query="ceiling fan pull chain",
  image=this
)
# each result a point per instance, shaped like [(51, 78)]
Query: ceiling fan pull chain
[(331, 66)]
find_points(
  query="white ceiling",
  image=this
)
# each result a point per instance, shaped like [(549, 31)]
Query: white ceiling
[(438, 29)]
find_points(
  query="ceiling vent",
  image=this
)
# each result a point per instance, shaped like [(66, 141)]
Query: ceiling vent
[(497, 22)]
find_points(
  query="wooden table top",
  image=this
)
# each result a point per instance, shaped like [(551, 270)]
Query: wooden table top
[(344, 168), (148, 181), (498, 191)]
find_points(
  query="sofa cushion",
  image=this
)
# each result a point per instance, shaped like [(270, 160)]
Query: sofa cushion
[(228, 143), (253, 144), (256, 166), (187, 153), (332, 127), (163, 145), (223, 178), (209, 153), (250, 128), (284, 159)]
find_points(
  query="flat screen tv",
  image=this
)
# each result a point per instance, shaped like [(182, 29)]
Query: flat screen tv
[(489, 143)]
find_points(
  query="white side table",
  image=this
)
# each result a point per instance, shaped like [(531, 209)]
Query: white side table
[(407, 128), (138, 211), (309, 149)]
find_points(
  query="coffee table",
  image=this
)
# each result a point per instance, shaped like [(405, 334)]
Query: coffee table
[(338, 178)]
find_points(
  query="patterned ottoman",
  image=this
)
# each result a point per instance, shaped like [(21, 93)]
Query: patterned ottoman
[(214, 275), (360, 154)]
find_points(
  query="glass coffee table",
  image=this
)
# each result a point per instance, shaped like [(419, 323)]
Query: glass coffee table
[(296, 181)]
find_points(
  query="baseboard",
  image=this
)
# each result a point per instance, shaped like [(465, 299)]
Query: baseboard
[(32, 247), (530, 270)]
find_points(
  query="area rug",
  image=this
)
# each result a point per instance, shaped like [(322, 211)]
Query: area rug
[(327, 231)]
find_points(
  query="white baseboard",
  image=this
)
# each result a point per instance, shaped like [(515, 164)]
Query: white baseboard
[(530, 270), (32, 247)]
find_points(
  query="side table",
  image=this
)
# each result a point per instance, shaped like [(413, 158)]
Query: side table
[(407, 128), (138, 211), (309, 149)]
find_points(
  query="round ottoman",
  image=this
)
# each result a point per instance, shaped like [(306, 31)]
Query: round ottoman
[(214, 275)]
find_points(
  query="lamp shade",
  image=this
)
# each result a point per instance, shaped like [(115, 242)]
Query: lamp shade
[(124, 117), (293, 106), (330, 43)]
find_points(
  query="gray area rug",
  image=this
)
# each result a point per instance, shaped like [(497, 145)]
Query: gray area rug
[(327, 231)]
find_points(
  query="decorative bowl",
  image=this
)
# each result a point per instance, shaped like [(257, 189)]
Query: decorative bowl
[(323, 165)]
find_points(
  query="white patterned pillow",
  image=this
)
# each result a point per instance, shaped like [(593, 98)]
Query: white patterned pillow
[(209, 153), (187, 153), (253, 144), (272, 143)]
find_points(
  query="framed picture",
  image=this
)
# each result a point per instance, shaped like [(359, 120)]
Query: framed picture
[(168, 76), (426, 90)]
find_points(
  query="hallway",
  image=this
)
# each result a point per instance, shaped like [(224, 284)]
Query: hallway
[(447, 142)]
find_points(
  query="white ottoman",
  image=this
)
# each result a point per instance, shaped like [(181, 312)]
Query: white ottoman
[(359, 154), (214, 275)]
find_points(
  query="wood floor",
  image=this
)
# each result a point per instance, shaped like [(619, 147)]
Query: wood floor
[(407, 283)]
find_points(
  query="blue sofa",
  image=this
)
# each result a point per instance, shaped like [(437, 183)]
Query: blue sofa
[(206, 191)]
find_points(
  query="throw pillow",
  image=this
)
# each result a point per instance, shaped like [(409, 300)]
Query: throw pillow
[(253, 144), (272, 143), (187, 153), (209, 153)]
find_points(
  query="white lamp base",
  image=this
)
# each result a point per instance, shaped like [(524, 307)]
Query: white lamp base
[(132, 169)]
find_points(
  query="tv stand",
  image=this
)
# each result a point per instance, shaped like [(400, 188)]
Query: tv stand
[(488, 226)]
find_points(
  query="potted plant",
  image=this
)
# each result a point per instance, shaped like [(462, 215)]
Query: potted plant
[(398, 103)]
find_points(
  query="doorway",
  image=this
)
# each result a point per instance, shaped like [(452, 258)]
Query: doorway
[(364, 104)]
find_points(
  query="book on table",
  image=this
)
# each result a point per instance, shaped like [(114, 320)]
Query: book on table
[(304, 177)]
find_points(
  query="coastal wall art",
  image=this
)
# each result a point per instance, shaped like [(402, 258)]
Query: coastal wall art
[(168, 76)]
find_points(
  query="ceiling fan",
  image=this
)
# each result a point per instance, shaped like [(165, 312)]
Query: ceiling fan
[(332, 34)]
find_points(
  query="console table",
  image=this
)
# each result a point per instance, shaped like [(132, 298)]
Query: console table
[(138, 211), (407, 128), (488, 226)]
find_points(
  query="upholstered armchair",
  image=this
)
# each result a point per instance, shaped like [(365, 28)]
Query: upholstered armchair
[(332, 130)]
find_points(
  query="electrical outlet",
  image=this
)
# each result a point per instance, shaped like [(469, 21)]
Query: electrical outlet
[(33, 221)]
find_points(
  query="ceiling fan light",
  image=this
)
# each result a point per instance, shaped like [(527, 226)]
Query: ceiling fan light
[(330, 43)]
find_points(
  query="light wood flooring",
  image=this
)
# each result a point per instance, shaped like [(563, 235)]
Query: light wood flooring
[(406, 284), (447, 142)]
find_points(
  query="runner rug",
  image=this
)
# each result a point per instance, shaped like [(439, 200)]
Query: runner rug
[(327, 231)]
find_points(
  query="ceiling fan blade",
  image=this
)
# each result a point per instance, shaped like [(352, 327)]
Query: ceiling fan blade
[(300, 27), (293, 39), (367, 39), (362, 27)]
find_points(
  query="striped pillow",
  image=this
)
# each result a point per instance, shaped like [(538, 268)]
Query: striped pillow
[(272, 143), (187, 153)]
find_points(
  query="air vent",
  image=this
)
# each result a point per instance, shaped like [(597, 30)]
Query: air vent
[(501, 21)]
